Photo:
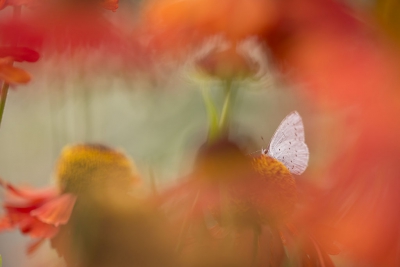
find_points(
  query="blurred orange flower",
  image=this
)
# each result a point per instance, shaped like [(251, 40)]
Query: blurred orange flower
[(243, 205), (345, 64), (178, 26), (236, 19), (227, 64)]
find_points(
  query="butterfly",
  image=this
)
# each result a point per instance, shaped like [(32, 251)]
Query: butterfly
[(287, 144)]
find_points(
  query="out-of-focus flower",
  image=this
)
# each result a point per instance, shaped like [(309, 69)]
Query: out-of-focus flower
[(254, 191), (235, 19), (11, 74), (120, 230), (64, 26), (36, 212), (96, 174), (228, 64), (344, 64), (82, 171), (240, 205), (179, 27)]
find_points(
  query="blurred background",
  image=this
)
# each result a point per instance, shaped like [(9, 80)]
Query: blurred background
[(157, 115), (159, 126)]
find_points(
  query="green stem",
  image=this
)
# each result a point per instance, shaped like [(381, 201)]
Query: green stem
[(226, 109), (212, 115), (3, 98)]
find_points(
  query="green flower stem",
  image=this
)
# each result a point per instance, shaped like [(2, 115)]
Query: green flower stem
[(3, 98), (226, 109), (212, 115)]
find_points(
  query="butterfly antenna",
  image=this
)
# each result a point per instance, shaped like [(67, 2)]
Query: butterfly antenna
[(248, 154)]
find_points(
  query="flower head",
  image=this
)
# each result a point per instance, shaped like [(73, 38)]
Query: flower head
[(89, 167), (181, 27), (81, 170)]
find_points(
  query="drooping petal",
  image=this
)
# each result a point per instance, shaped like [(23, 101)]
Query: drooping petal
[(20, 197), (33, 227), (57, 211), (13, 75)]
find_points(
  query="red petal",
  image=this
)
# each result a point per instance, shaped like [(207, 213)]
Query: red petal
[(31, 194), (57, 211), (20, 54), (35, 228)]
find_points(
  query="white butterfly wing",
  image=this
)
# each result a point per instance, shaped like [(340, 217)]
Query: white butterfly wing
[(288, 146)]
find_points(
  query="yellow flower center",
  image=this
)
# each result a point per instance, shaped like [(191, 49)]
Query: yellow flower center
[(94, 167)]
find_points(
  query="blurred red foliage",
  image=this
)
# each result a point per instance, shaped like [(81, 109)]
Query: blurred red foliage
[(342, 61)]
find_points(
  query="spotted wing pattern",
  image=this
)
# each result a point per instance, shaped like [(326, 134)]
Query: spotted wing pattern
[(288, 146)]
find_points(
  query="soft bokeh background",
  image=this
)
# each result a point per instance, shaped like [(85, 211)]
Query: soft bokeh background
[(159, 120), (160, 126)]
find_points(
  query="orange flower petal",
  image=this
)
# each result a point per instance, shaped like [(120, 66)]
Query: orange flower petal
[(13, 75), (35, 228), (57, 211)]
